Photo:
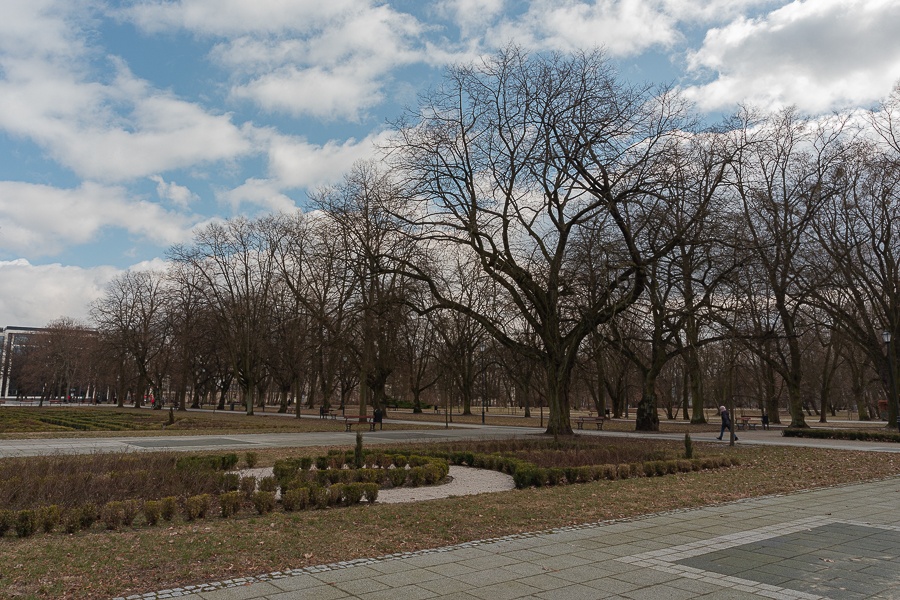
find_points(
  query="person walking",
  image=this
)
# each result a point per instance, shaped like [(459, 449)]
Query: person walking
[(726, 423)]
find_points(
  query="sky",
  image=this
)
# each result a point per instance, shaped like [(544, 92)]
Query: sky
[(125, 126)]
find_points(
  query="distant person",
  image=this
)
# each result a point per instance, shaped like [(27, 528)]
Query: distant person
[(726, 423)]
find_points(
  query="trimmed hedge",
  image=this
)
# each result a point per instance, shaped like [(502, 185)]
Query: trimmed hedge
[(212, 462), (843, 434)]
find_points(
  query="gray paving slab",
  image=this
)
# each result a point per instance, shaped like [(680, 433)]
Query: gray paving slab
[(792, 555), (841, 542)]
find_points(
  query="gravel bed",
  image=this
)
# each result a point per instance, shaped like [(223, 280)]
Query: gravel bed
[(462, 481)]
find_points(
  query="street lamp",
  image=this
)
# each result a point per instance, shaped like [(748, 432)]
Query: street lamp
[(483, 383), (886, 336)]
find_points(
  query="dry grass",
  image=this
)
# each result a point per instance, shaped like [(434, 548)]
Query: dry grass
[(51, 422), (144, 559)]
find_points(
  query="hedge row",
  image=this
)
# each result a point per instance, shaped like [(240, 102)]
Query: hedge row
[(387, 470), (539, 477), (118, 514), (843, 434), (526, 474)]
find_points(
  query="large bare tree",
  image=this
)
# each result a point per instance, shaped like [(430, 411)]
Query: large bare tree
[(510, 160)]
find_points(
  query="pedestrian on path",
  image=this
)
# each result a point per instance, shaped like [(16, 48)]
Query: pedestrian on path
[(726, 422)]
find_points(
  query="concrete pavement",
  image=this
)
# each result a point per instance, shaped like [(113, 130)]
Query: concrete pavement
[(245, 442), (835, 543)]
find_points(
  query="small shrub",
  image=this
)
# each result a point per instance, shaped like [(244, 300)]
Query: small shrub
[(335, 494), (353, 493), (368, 476), (416, 476), (295, 499), (268, 484), (248, 485), (130, 510), (6, 521), (48, 518), (88, 515), (306, 463), (318, 496), (251, 458), (113, 515), (358, 451), (230, 482), (26, 523), (196, 507), (397, 476), (152, 511), (688, 446), (71, 520), (370, 492), (229, 461), (169, 507), (284, 470), (264, 502), (230, 504), (322, 462), (556, 476)]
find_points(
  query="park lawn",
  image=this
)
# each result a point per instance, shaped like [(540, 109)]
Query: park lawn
[(101, 421), (145, 559)]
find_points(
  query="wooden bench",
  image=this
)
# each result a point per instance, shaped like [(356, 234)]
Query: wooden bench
[(328, 414), (598, 421), (349, 422), (745, 423)]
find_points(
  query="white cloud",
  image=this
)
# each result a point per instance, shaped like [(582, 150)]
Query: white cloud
[(40, 220), (180, 196), (234, 17), (819, 56), (36, 294), (623, 27), (327, 94), (325, 60), (297, 164), (115, 130), (471, 16)]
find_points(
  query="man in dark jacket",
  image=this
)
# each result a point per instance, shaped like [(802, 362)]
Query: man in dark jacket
[(726, 422)]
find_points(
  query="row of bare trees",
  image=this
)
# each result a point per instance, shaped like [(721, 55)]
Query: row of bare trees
[(562, 237)]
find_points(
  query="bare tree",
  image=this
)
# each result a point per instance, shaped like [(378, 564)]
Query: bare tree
[(132, 315), (780, 176), (237, 268), (362, 211), (511, 159)]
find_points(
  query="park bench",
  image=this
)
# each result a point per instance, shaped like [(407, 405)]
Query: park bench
[(598, 421), (745, 423), (328, 414), (349, 422)]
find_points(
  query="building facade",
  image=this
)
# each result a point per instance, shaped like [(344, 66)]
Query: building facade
[(13, 342)]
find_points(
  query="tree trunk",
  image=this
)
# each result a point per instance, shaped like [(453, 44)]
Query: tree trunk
[(559, 377), (647, 414)]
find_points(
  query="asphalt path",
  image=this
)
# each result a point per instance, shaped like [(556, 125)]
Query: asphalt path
[(435, 433)]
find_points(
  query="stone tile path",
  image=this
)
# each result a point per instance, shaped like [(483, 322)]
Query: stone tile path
[(836, 543)]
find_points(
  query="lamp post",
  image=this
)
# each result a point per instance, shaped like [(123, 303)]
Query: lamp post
[(892, 381), (483, 384)]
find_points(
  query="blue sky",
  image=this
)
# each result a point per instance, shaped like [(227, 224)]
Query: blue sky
[(126, 125)]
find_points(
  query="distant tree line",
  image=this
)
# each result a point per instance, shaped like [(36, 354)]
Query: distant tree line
[(539, 232)]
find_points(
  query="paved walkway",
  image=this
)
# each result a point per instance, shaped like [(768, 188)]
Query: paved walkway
[(250, 441), (244, 442), (837, 543)]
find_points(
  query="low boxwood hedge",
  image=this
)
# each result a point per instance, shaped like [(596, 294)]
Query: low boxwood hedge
[(843, 434)]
